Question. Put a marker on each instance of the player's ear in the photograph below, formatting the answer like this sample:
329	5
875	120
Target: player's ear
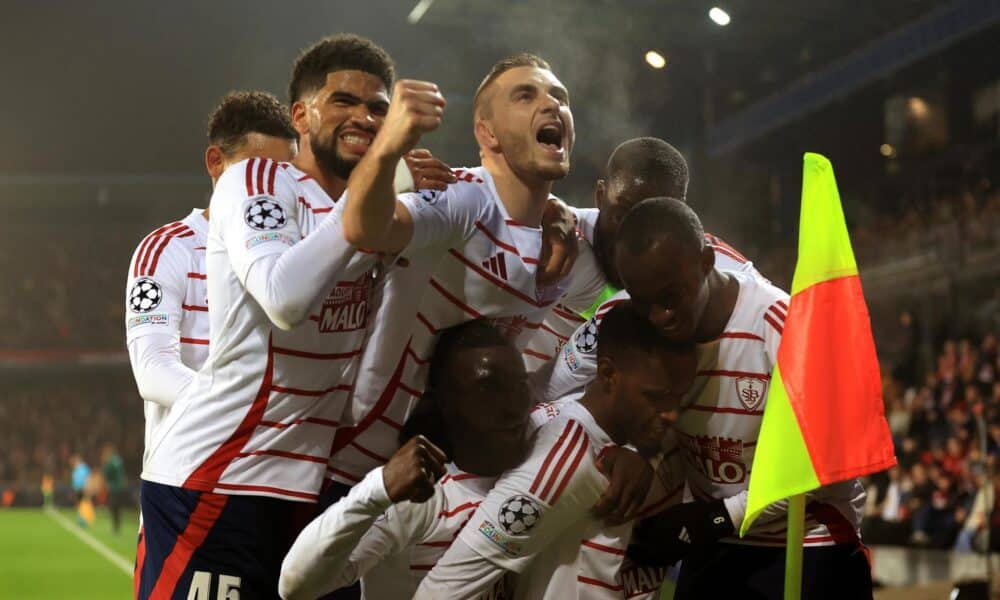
707	259
600	194
300	117
215	162
607	374
485	136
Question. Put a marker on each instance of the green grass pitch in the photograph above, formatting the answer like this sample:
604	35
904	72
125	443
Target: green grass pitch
39	559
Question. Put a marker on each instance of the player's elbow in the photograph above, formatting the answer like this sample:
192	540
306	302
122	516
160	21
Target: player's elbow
286	318
289	585
356	233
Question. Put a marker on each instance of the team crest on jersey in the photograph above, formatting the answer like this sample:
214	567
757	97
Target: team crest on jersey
586	338
750	391
346	308
518	514
144	296
264	214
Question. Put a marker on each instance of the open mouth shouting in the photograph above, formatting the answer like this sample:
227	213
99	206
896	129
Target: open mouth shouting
550	136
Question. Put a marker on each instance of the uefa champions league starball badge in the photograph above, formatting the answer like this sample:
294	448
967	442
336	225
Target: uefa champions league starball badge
518	514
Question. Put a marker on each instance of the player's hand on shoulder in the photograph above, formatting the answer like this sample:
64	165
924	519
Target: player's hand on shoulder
413	470
416	109
559	243
668	536
629	479
428	172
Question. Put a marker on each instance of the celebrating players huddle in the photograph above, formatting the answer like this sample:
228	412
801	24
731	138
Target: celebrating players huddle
362	365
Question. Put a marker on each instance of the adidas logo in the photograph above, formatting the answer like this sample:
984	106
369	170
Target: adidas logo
497	264
683	535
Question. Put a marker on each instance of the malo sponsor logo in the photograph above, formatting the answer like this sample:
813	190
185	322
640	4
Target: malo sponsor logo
721	459
642	580
346	308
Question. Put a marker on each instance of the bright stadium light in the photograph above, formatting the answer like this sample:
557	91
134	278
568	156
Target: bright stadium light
719	16
887	150
655	59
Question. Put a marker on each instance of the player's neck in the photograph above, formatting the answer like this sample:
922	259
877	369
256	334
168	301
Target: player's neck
525	201
600	407
723	290
470	458
305	161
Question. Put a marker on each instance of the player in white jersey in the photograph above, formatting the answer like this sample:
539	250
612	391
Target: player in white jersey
385	531
537	521
638	168
166	315
247	443
737	320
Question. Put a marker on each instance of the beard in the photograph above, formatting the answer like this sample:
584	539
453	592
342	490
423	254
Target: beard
327	156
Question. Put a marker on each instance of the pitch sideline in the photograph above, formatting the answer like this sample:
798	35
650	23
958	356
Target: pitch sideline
98	546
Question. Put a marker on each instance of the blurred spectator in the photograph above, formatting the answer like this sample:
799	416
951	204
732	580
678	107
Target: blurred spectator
113	469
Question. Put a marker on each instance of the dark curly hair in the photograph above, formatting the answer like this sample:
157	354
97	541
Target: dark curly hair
242	113
340	52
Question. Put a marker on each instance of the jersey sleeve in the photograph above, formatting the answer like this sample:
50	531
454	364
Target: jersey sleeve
157	284
773	318
350	538
443	218
255	211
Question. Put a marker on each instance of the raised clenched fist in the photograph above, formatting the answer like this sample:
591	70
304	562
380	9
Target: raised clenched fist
413	470
416	109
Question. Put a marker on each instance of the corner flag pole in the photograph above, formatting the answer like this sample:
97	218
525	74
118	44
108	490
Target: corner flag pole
793	547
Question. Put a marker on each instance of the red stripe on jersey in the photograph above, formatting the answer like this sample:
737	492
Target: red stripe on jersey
313	393
606	308
390	422
192	307
548	329
304	177
733	252
196	341
565	313
283	454
598	583
563	457
197	276
163	245
145	242
603	548
727	252
315	355
571	469
841	530
782	304
249	177
369	453
205	476
409	390
270	178
427	324
326	209
344	474
773	323
496	240
460	477
538	355
151	240
548	459
775	310
465	307
313	420
518	224
260	175
458	509
723	373
204	516
497	282
347	435
416	359
725	410
239	487
740	335
502	261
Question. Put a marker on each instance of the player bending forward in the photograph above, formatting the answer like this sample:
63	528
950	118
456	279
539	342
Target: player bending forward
536	522
394	525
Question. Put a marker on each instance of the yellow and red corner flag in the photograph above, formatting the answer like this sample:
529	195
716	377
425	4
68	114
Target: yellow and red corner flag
824	420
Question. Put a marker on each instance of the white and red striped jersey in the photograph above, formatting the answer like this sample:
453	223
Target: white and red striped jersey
261	415
166	309
467	259
720	419
590	288
536	523
389	547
